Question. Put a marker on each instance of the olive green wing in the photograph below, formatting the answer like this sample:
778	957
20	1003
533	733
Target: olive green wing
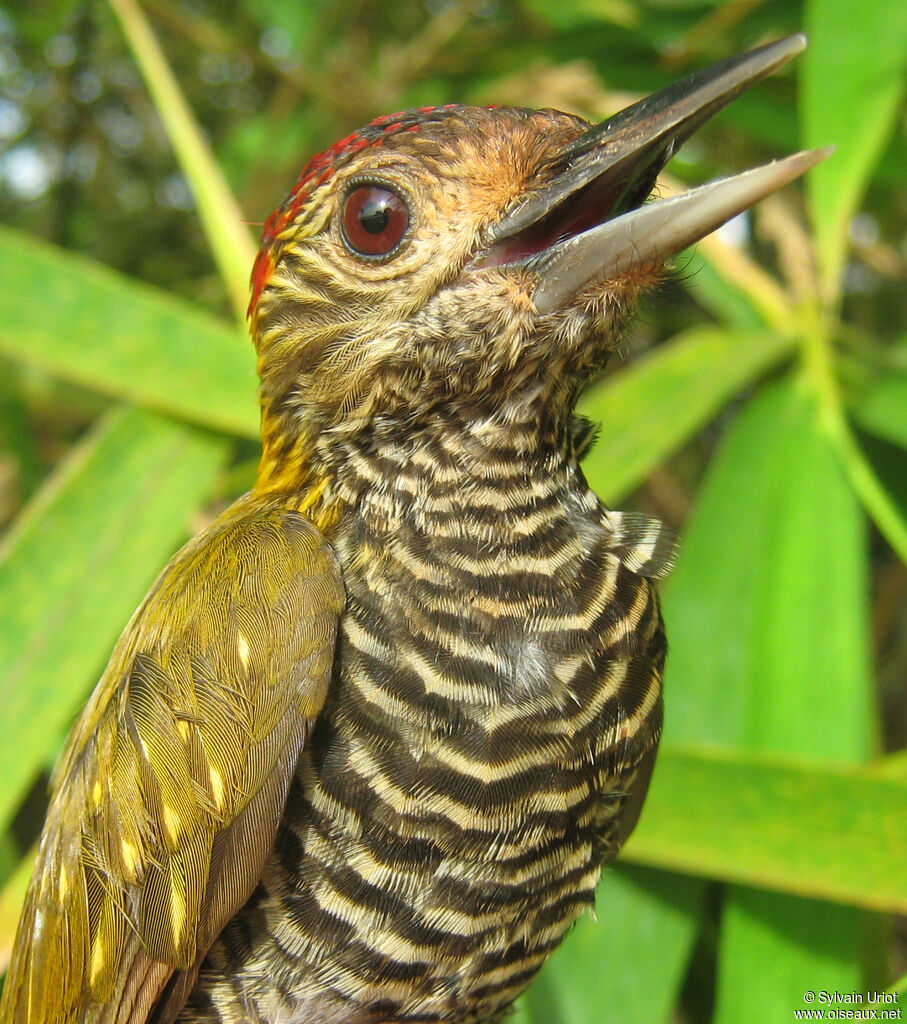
168	795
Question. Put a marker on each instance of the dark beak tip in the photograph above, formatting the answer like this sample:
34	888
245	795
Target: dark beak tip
615	165
701	93
637	141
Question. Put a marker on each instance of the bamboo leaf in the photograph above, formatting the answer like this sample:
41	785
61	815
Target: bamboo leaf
883	411
879	501
12	896
726	300
767	612
797	826
769	591
79	560
852	84
606	962
882	408
78	320
649	410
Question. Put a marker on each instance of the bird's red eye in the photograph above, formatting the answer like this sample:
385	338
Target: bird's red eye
374	220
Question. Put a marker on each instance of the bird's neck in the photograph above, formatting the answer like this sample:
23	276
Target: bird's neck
390	472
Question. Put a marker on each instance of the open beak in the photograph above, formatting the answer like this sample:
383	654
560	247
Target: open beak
589	223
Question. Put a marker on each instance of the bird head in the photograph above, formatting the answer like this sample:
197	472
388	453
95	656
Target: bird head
480	260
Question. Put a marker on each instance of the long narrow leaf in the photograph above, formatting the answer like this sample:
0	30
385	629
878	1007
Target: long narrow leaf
12	896
78	320
650	409
852	82
629	955
767	616
807	828
769	589
883	409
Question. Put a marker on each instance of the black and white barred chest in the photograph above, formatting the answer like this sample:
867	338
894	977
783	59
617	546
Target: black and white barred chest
495	691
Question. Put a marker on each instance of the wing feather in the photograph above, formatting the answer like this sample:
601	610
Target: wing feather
171	787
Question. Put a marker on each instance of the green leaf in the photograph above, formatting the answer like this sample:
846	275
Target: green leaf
797	826
78	561
649	410
16	438
773	949
892	765
12	896
883	411
607	960
766	608
882	408
78	320
767	614
851	87
727	303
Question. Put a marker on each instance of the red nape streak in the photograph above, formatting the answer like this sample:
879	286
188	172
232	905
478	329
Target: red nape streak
319	170
262	269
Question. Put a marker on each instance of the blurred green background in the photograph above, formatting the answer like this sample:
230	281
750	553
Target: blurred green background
759	406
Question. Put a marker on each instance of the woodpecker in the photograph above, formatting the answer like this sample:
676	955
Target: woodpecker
360	755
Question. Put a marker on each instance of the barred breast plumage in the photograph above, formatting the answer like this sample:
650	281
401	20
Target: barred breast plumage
497	688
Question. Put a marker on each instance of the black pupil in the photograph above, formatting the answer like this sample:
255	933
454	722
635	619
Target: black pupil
375	215
374	220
